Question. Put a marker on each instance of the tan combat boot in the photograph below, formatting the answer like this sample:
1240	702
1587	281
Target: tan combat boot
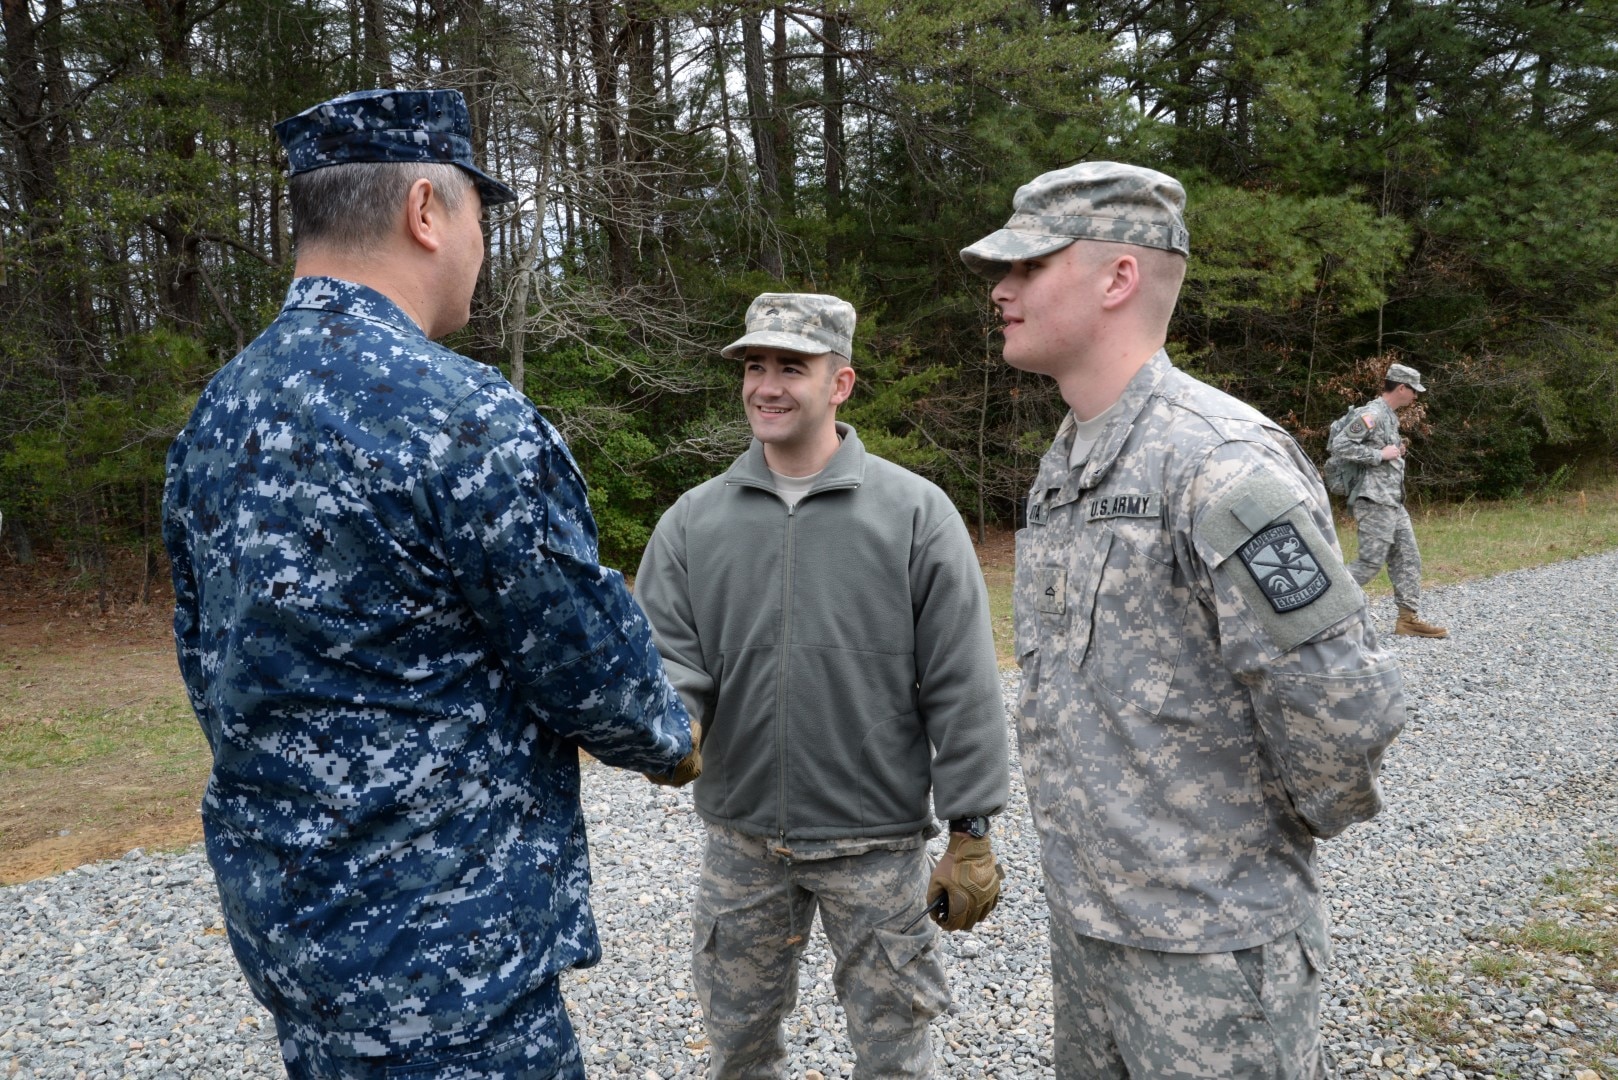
1411	625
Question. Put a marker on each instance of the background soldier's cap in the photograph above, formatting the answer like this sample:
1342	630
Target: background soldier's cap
1407	375
1094	200
388	125
809	323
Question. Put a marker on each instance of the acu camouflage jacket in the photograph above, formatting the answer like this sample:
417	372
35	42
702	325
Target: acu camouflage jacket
1203	694
396	635
1361	440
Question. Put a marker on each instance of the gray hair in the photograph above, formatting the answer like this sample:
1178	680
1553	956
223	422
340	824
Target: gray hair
355	204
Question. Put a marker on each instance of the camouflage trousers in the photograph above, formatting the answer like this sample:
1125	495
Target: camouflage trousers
1247	1015
751	920
533	1041
1386	536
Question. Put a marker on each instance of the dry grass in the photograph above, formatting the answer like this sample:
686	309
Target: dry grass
1458	543
1481	539
99	751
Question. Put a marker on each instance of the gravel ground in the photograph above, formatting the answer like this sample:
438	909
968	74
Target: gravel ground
1507	770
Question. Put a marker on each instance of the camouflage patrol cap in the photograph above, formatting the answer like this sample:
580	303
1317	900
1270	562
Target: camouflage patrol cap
1093	200
388	125
809	323
1407	375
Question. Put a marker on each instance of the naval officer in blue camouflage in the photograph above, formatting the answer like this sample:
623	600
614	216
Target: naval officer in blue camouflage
1203	695
396	633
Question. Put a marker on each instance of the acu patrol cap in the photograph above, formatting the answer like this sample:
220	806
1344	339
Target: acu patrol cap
808	323
1093	200
1407	375
388	126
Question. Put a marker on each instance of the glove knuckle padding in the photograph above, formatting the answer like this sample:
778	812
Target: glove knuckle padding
970	877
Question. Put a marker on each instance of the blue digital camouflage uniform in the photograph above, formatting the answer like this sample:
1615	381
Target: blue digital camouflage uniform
395	632
1377	501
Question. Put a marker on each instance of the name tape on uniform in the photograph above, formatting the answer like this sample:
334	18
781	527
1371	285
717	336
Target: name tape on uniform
1124	505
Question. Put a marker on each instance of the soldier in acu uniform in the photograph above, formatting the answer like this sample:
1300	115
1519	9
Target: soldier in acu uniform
1371	440
396	634
1203	696
823	615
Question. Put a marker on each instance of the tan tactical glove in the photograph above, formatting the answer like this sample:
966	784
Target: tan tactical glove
690	766
969	878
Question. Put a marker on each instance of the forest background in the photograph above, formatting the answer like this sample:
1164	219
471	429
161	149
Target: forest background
1427	181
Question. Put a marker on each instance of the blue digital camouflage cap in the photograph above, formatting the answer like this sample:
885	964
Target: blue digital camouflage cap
1093	200
388	125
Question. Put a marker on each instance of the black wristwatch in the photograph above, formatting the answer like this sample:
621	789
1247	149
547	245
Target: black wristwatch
973	826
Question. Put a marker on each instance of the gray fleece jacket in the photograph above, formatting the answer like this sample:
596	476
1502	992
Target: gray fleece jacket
838	655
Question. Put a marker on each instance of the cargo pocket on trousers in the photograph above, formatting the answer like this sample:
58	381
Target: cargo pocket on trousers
1314	937
703	928
916	989
704	932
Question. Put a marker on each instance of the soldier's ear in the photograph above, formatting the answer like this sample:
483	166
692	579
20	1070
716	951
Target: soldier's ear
842	384
1123	281
424	216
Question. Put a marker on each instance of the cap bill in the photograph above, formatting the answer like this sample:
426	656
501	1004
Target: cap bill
991	257
773	339
492	191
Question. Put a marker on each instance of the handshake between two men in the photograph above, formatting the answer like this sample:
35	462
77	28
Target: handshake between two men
818	611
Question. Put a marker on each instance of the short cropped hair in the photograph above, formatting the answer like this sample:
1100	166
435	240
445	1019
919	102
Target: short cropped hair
356	204
1390	385
1162	273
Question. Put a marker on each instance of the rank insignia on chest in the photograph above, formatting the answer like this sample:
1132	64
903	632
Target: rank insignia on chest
1286	570
1050	589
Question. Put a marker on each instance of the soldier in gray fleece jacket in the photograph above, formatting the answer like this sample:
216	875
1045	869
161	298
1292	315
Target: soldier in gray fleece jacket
822	614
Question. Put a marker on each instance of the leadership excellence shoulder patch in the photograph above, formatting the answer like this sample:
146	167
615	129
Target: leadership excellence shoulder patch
1287	572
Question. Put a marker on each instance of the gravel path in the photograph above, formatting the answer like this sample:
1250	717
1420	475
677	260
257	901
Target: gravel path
1507	770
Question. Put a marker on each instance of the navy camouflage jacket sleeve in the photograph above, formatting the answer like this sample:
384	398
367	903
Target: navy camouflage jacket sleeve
1294	629
512	513
187	611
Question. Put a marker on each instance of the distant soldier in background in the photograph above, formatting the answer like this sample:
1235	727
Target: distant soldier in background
396	634
1203	695
1370	439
